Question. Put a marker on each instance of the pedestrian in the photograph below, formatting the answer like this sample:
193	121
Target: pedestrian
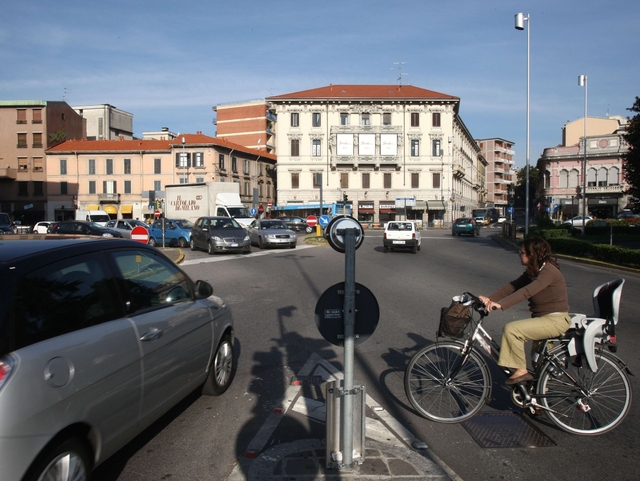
543	285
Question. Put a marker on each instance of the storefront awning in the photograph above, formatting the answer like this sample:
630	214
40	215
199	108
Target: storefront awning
365	207
436	205
126	209
110	209
93	207
387	206
420	205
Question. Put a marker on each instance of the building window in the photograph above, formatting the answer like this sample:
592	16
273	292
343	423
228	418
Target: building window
435	119
295	119
614	175
37	116
436	148
37	140
157	166
63	166
23	188
198	159
200	180
91	166
38	188
436	180
317	179
573	178
387	180
109	167
23	163
415	119
602	177
183	160
316	147
234	164
63	188
22	141
22	116
366	181
92	186
344	180
295	148
37	164
100	128
591	178
415	180
386	118
221	161
260	168
127	166
157	185
127	186
109	187
344	118
365	119
295	180
247	190
316	119
246	167
415	148
564	179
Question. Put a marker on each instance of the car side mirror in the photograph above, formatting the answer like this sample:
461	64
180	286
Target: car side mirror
203	290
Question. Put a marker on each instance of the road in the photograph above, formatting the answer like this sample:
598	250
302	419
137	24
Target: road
273	295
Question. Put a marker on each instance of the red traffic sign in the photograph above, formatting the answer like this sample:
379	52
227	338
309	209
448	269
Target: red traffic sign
269	204
140	234
260	208
312	221
157	214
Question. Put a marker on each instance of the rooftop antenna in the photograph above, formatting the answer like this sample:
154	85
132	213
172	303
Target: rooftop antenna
608	105
64	95
399	68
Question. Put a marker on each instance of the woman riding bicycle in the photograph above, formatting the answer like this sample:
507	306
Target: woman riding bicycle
543	285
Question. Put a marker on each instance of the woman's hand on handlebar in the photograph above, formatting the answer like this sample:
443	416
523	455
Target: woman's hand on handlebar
489	304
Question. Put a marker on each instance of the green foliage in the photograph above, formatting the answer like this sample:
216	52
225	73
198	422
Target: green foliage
520	189
631	159
602	252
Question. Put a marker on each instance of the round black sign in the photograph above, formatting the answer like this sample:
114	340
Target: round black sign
330	319
335	235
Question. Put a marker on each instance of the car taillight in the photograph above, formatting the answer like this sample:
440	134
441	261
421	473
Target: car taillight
384	235
413	236
6	366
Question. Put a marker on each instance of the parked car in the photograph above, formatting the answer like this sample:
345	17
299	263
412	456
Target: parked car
219	234
465	225
98	339
177	232
627	214
271	233
41	227
82	227
577	220
6	225
125	226
401	234
296	224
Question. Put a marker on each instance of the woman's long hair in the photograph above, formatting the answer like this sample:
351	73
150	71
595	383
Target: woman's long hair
538	251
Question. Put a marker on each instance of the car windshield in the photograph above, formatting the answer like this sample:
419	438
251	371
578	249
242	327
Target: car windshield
463	221
4	219
183	224
272	224
240	212
99	218
225	223
93	225
134	223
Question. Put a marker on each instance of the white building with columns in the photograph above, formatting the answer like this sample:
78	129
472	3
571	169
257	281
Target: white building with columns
396	152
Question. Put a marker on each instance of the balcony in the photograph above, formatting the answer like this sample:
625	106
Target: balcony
111	198
8	173
458	170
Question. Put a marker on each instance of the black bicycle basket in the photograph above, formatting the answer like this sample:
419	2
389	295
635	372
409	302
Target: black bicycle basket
454	320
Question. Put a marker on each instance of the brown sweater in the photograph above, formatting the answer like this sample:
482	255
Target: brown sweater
546	293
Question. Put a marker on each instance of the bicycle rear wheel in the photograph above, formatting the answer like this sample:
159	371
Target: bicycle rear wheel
433	392
595	404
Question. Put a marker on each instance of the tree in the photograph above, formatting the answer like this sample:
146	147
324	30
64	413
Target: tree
520	189
631	159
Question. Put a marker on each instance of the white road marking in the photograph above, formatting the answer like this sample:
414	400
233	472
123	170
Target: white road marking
228	257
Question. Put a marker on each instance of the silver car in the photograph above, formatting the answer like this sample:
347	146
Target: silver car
125	226
98	339
271	233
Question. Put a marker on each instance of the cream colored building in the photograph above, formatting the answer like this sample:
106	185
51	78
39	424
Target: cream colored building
396	152
117	175
106	122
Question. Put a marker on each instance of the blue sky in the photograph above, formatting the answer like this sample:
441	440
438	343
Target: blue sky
168	63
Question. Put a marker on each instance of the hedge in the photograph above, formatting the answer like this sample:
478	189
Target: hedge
602	252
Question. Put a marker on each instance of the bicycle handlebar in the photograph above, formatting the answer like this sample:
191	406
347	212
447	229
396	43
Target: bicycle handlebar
477	304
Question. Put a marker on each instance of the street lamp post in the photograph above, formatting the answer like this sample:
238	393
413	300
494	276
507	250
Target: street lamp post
583	82
520	19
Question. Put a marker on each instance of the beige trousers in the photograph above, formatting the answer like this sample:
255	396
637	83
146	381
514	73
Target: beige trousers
516	333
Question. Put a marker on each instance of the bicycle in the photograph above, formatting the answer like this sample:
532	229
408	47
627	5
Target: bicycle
583	388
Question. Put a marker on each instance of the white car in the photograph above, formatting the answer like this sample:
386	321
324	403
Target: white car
577	221
401	235
41	227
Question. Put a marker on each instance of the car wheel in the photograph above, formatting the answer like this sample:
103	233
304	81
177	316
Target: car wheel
220	370
192	245
414	250
473	233
260	244
210	249
247	251
71	459
386	249
152	242
418	247
182	242
293	246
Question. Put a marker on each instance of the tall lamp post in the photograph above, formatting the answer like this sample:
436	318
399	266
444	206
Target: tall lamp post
520	19
583	82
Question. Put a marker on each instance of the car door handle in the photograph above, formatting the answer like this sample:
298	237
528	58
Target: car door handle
152	335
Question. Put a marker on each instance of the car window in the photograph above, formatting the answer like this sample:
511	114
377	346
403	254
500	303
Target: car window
272	224
111	223
62	297
184	224
150	280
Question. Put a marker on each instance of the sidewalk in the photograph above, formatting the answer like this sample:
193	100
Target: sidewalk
176	254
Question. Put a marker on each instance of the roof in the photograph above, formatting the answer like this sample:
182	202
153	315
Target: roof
137	145
399	92
11	250
22	103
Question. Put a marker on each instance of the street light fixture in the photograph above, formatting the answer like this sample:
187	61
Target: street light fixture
583	82
520	19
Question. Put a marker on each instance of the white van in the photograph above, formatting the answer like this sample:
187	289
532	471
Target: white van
98	216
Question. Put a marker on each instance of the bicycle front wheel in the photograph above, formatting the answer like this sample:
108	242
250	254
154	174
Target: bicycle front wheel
440	395
594	404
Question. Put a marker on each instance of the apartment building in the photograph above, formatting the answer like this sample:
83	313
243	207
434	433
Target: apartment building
500	176
250	123
27	129
117	175
560	186
106	122
396	152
